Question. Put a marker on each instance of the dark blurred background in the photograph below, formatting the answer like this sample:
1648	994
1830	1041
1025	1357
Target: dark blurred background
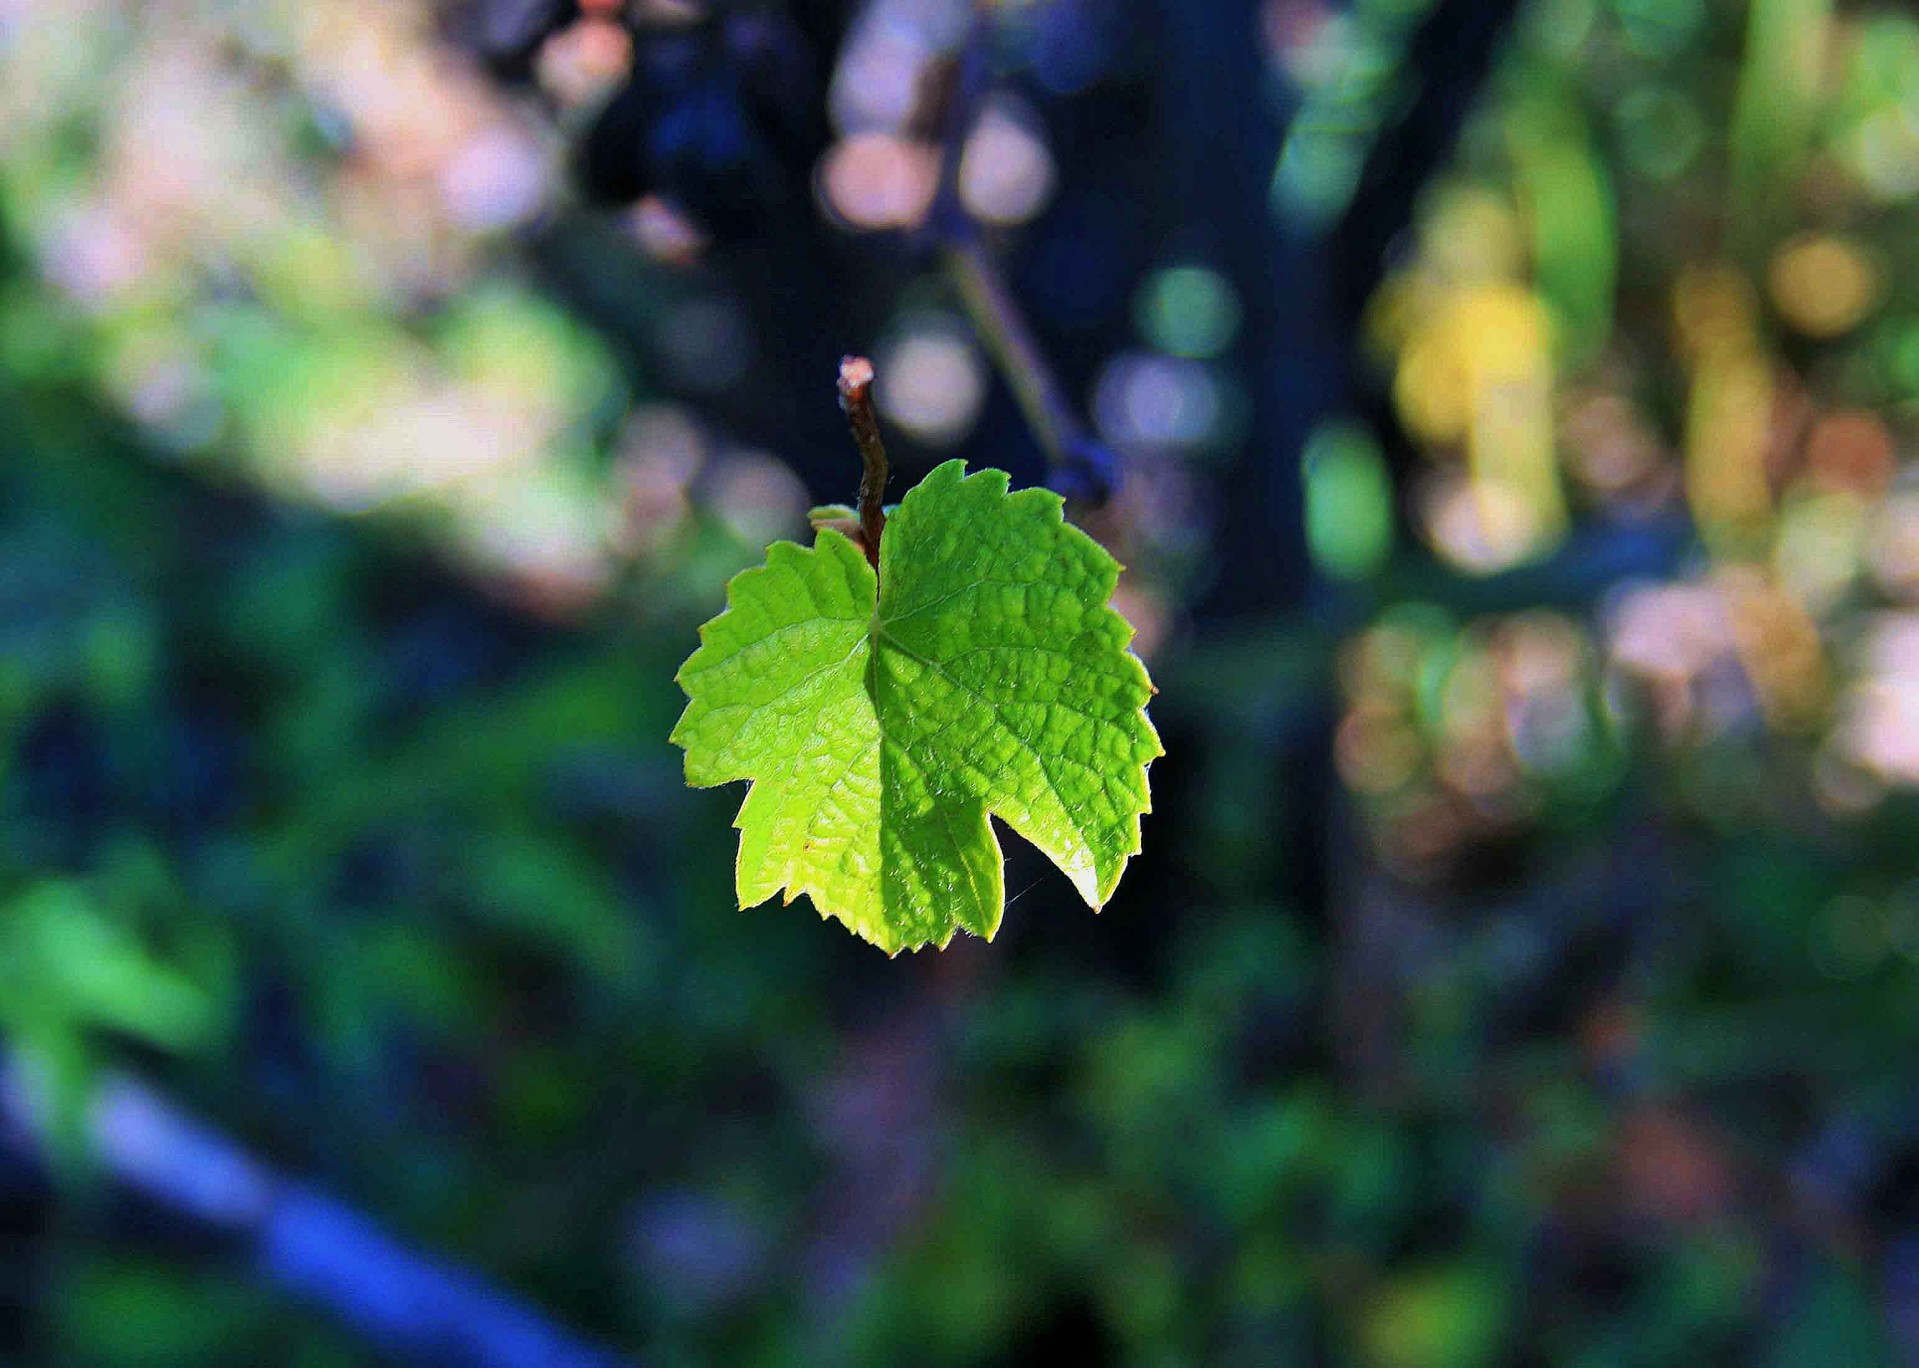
1509	414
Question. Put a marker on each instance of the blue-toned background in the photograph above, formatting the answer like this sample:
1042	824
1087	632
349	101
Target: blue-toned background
1512	413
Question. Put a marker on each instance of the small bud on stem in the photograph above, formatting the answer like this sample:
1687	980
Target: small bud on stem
856	401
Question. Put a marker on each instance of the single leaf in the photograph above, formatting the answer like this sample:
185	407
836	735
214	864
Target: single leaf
881	721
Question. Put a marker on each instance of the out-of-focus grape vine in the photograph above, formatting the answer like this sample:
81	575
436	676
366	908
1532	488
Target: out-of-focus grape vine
1668	276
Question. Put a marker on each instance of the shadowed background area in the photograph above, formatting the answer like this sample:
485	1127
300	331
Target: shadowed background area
1508	411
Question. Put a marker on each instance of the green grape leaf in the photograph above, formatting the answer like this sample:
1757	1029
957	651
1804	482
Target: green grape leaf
881	720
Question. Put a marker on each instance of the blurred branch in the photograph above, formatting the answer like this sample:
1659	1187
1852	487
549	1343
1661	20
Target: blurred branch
1449	58
1221	141
1304	283
1080	467
306	1242
1002	327
972	78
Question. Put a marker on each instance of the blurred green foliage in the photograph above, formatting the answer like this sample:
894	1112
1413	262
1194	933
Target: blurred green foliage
1523	962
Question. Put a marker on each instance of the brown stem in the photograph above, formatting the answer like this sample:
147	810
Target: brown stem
856	401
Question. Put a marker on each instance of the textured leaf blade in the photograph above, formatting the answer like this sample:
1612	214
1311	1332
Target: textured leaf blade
882	720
